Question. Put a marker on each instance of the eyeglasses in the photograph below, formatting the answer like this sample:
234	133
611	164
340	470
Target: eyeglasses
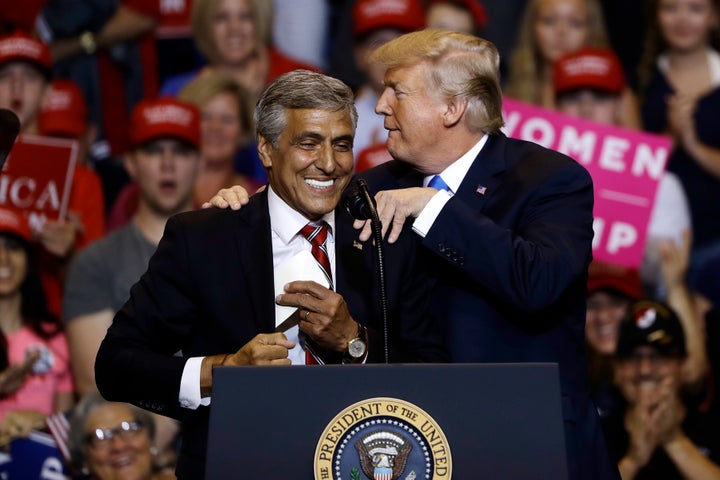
100	437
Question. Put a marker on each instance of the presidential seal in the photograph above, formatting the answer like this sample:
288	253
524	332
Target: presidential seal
382	439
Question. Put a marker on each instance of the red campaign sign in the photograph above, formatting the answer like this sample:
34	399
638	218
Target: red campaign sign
37	178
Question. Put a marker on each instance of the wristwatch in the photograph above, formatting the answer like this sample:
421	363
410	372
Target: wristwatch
87	43
357	347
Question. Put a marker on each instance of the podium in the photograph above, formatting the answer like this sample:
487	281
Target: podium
419	421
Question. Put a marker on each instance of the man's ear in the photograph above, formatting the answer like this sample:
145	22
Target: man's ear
455	109
265	150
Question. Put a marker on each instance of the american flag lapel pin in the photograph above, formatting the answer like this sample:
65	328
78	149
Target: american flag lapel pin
481	189
357	244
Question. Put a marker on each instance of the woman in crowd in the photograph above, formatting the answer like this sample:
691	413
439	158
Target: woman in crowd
680	81
35	376
226	126
111	440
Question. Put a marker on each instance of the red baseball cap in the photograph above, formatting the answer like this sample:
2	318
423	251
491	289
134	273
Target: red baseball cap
406	15
606	276
22	47
63	112
473	6
165	117
597	68
13	221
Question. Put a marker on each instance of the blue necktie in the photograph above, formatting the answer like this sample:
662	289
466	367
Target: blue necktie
438	183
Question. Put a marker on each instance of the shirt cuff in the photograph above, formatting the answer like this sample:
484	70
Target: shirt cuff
425	220
190	385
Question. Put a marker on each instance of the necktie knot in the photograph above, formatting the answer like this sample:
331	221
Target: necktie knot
438	183
316	234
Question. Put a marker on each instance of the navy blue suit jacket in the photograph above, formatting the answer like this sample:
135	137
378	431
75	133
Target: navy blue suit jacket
209	289
508	255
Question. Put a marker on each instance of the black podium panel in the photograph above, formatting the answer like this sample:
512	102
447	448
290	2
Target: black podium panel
500	421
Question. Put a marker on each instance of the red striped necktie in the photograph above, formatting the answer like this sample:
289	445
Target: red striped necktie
317	234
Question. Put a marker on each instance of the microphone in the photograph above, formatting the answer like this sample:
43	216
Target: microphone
360	204
9	130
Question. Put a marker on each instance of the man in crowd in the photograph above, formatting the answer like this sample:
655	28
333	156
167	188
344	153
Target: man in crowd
658	435
305	125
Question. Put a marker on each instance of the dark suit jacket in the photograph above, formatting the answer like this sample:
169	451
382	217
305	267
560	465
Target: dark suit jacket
209	289
509	256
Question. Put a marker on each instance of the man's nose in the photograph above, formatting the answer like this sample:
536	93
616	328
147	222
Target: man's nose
382	107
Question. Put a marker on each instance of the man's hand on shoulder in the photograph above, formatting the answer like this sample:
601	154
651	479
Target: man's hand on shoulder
234	198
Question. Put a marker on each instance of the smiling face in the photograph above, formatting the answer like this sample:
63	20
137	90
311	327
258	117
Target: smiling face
561	27
313	161
605	311
413	116
126	456
646	374
686	24
234	31
13	265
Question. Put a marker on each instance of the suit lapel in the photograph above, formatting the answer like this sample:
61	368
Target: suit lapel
482	179
254	245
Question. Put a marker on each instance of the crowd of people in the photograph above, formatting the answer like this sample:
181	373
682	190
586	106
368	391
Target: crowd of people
158	137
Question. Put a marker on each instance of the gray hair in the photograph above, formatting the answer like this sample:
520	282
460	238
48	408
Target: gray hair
300	89
88	404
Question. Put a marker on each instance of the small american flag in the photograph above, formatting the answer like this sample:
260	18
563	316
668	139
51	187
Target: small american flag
481	189
59	428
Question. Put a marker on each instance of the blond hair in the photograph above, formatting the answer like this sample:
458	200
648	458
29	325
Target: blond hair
461	66
526	63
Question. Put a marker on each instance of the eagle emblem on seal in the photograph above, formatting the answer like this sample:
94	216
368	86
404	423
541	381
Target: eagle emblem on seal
383	455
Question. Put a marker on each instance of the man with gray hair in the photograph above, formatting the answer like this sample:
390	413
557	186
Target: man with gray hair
211	289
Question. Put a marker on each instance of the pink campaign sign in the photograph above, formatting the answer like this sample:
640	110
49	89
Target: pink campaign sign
625	166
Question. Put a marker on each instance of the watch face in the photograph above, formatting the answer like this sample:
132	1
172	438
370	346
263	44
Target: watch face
356	348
